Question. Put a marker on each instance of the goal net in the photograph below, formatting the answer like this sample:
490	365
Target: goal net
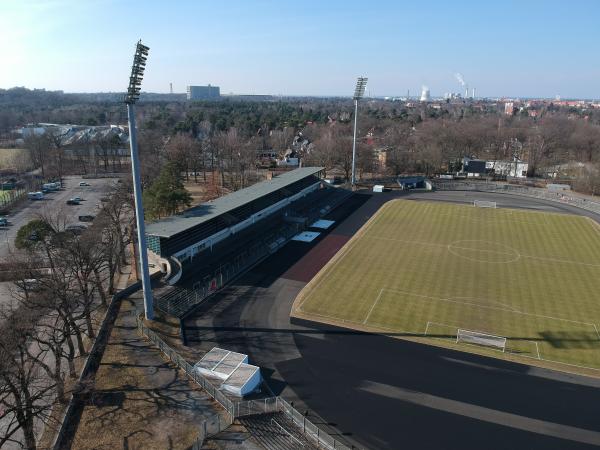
484	204
478	338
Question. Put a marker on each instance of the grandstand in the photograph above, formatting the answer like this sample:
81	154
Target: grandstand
206	246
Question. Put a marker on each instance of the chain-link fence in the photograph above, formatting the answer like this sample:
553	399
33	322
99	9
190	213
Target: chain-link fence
238	408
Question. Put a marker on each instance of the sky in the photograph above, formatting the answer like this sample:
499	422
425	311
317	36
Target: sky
523	48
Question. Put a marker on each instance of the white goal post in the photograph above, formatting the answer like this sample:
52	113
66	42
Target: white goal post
479	338
484	204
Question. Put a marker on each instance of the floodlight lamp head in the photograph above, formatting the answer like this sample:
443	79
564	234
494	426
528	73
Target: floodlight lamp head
361	84
137	73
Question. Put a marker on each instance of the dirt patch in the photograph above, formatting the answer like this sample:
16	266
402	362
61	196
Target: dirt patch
139	399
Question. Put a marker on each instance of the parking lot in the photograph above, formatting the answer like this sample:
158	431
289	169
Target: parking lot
53	203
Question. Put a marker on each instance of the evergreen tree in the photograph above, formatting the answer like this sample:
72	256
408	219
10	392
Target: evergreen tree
167	195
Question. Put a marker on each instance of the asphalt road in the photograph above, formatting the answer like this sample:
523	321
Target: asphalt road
54	202
379	392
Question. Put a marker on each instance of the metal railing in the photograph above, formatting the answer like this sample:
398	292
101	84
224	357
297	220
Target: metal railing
564	197
287	434
209	427
241	408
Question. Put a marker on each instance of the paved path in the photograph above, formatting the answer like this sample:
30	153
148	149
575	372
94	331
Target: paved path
384	393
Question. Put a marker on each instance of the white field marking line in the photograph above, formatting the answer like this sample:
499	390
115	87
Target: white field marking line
432	244
354	240
553	361
373	305
491	301
352	243
491	221
521	255
505	350
395	331
516	311
450	246
438	323
567	261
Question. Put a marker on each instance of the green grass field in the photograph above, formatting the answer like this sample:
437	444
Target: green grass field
423	270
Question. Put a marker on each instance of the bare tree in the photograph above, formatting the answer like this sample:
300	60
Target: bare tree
39	149
25	390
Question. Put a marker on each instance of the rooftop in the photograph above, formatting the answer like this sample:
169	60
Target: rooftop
197	215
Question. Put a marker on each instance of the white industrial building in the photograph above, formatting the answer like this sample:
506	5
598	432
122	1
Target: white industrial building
516	169
231	369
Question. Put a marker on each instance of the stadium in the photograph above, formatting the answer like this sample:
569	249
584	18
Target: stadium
471	308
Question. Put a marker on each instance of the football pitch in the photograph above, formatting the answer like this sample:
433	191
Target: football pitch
425	270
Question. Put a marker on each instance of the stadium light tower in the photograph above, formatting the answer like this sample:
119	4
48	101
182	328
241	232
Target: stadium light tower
361	84
132	96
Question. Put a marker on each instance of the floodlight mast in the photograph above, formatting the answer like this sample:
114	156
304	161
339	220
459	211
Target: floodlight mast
361	84
132	95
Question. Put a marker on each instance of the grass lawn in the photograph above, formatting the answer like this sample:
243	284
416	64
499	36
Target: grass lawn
423	270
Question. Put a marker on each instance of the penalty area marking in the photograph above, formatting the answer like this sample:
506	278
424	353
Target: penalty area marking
450	300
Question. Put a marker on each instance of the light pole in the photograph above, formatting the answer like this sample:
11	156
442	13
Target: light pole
133	94
361	83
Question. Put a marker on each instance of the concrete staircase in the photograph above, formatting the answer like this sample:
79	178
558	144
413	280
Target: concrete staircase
275	432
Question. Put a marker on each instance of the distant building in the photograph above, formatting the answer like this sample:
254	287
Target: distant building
473	167
203	92
517	169
509	108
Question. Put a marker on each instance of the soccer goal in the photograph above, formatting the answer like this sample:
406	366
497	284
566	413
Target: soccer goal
478	338
484	204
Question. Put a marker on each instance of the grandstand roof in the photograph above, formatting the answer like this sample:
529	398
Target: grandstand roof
173	225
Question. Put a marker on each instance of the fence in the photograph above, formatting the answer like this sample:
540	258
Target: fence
209	427
544	194
239	408
65	432
9	198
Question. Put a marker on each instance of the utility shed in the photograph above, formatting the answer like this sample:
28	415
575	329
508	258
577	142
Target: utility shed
244	379
236	375
220	363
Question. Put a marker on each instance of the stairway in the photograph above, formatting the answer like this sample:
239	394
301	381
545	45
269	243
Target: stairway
276	432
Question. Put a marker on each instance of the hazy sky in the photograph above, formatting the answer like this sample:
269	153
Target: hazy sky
503	48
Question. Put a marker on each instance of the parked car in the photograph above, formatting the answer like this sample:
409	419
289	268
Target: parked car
77	199
39	195
76	229
84	183
31	284
86	218
3	222
72	201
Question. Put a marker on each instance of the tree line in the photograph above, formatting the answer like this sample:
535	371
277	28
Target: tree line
61	278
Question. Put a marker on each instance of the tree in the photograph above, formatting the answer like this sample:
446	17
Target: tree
39	148
25	390
167	195
32	233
